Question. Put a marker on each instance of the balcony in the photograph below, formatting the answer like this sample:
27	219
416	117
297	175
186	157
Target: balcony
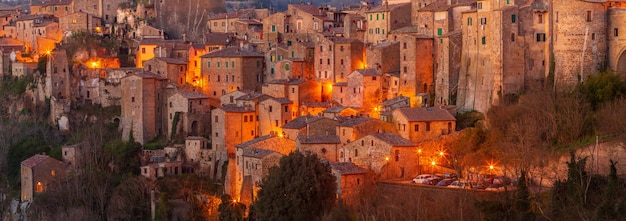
540	7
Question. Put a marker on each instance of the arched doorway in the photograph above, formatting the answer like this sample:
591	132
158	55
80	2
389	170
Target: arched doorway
194	128
620	68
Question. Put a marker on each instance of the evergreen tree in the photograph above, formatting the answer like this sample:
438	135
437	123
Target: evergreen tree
230	210
521	205
301	188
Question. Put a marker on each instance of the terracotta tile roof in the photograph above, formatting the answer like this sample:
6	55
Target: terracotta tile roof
310	9
193	95
395	100
383	44
369	72
235	108
250	21
277	144
393	139
342	40
256	152
391	7
300	122
52	2
214	38
407	29
319	139
319	104
241	13
426	114
353	121
282	100
147	74
291	81
347	168
172	60
34	160
442	5
197	46
334	109
233	52
341	84
252	95
5	7
32	17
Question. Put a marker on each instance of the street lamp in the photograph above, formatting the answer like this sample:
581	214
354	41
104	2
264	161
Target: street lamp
432	167
387	167
419	157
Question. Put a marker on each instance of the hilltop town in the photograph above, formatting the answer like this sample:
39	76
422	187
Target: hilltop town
373	90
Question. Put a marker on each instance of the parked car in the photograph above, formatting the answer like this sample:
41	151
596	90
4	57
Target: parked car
450	176
459	184
433	180
421	178
495	187
445	182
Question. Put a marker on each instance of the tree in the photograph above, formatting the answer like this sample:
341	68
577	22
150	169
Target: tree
521	205
231	210
301	188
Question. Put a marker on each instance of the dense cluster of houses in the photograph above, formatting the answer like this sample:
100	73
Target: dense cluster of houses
360	86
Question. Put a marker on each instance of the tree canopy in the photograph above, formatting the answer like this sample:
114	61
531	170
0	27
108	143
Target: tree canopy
301	188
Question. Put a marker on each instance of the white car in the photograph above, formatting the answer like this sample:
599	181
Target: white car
421	178
459	185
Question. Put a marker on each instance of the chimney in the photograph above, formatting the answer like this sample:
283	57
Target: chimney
386	4
184	37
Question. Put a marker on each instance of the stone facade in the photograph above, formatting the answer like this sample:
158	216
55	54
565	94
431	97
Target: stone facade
173	69
58	75
385	18
420	124
38	173
74	22
142	113
350	179
324	146
384	57
194	112
231	69
384	153
274	113
200	155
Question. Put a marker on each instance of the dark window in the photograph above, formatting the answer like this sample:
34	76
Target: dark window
416	127
427	126
588	17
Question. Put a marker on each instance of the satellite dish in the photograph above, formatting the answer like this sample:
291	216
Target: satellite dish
13	56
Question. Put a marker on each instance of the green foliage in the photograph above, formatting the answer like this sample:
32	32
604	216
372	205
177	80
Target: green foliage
301	188
468	119
601	88
125	155
521	204
22	150
16	85
164	209
230	210
41	64
175	124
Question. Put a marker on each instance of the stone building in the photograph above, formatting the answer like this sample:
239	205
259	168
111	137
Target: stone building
199	157
350	179
420	124
353	128
218	41
326	147
302	55
384	56
254	158
74	22
490	62
365	90
231	69
335	58
386	154
142	113
252	165
232	22
385	18
173	69
58	81
38	173
274	113
73	155
189	114
277	67
194	66
58	8
231	124
154	47
295	89
6	17
161	163
309	126
389	106
31	29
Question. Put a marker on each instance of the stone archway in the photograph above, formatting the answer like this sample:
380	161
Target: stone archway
620	68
